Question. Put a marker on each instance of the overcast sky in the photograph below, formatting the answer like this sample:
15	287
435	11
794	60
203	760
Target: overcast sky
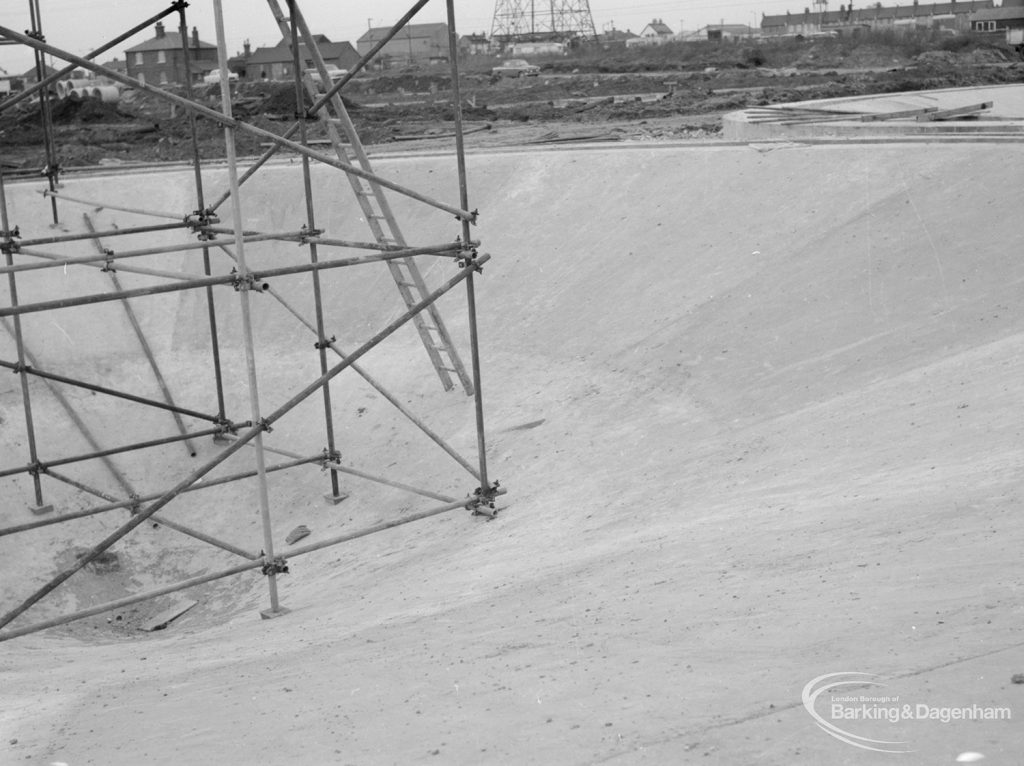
80	26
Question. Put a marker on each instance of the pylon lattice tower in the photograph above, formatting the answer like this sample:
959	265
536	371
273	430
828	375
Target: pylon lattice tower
529	20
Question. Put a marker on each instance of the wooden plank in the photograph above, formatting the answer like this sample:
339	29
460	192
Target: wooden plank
960	111
167	616
898	115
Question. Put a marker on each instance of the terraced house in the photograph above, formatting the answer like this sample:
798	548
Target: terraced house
161	59
954	16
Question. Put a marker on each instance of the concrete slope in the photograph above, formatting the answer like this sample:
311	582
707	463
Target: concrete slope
756	412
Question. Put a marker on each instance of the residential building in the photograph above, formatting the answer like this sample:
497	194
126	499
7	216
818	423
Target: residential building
954	16
475	44
1006	20
277	62
655	33
415	43
161	60
5	82
614	38
729	32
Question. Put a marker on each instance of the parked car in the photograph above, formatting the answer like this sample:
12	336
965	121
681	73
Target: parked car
516	68
333	71
214	77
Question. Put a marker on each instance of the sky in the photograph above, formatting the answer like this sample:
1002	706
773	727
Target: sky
79	26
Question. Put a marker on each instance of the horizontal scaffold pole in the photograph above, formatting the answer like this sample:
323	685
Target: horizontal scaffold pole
231	122
239	569
109	391
129	600
451	250
113	506
144	514
177	276
175	525
42	466
110	233
107	206
113	255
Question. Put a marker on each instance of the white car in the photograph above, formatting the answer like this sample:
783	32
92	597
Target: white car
334	72
214	77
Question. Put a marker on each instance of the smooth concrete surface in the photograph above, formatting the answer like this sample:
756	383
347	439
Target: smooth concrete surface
757	412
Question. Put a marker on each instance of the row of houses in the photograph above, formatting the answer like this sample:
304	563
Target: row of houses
161	60
954	16
977	16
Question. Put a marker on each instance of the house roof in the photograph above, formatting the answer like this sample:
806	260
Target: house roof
169	41
659	27
885	12
997	14
281	54
376	34
31	73
734	29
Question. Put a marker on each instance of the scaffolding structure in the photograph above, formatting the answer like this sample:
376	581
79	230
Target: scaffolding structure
224	264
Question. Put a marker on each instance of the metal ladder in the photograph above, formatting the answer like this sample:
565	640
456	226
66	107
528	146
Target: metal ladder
381	220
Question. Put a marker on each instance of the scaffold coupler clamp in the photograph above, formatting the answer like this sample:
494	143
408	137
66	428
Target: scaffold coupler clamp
199	221
108	262
466	258
225	427
7	243
325	343
249	281
307	234
481	502
275	566
329	457
37	468
135	504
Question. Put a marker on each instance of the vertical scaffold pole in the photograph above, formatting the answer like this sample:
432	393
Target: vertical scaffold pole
45	111
7	237
460	151
201	210
322	341
243	295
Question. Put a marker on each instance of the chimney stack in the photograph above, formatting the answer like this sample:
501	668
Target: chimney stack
195	37
159	29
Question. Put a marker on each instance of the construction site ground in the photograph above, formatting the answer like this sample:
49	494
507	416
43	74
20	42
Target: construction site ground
562	104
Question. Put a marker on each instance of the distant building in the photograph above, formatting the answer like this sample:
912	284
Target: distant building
655	33
277	63
475	44
161	61
1006	20
727	32
5	82
954	16
415	43
537	48
117	65
614	38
